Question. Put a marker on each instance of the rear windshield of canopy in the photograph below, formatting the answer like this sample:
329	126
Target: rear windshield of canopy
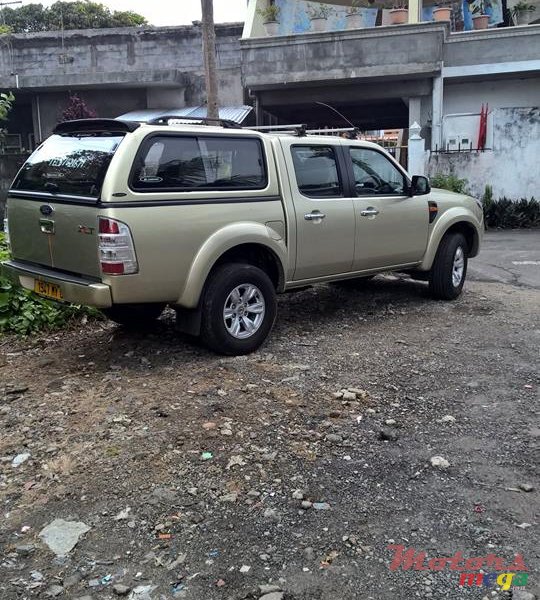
73	165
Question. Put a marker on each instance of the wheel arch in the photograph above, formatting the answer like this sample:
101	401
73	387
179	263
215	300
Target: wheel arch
248	243
461	223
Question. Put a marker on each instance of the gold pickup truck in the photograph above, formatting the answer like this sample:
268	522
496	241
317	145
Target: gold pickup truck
214	221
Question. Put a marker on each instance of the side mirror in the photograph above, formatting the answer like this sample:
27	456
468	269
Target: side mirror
420	186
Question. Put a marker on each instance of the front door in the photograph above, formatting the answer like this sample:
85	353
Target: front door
325	223
391	226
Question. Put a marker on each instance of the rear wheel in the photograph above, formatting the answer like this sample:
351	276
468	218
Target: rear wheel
449	270
238	309
134	315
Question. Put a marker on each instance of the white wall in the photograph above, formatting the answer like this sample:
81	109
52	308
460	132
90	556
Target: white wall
511	167
510	93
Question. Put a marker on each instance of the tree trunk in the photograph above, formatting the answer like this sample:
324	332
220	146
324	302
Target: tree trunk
209	56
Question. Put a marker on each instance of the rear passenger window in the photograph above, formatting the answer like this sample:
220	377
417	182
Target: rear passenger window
181	163
316	171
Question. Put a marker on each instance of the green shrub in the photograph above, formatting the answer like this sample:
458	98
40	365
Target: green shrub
449	182
23	312
507	214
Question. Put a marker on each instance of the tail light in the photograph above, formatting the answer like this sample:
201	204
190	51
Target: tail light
116	251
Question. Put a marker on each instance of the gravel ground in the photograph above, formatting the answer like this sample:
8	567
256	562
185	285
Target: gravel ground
295	468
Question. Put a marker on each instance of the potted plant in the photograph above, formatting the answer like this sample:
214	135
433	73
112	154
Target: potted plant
353	16
399	14
270	16
479	17
522	12
318	15
442	12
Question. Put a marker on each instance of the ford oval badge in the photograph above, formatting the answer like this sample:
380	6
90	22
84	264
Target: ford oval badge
46	210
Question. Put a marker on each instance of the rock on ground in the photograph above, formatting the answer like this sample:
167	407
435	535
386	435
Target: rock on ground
62	536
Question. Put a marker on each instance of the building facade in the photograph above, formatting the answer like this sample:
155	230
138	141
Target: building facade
324	72
380	75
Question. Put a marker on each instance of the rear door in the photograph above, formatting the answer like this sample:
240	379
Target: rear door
391	225
324	210
51	208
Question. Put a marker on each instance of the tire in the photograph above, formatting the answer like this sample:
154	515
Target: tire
134	316
449	270
225	323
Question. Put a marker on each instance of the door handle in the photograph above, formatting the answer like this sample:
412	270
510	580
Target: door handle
314	216
370	212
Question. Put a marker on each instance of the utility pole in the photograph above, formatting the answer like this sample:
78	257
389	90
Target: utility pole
209	57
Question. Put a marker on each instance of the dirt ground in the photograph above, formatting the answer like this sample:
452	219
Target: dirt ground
204	478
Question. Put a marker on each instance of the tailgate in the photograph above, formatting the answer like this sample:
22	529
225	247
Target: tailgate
60	236
53	203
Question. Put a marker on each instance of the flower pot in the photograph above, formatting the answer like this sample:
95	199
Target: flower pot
271	27
318	24
442	13
523	17
480	22
399	16
354	21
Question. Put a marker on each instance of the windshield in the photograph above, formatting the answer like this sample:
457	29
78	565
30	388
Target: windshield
73	165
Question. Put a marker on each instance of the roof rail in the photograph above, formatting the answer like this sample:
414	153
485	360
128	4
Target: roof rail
298	129
301	130
164	120
333	131
95	125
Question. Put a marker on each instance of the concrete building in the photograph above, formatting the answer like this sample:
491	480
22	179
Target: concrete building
114	71
390	76
378	75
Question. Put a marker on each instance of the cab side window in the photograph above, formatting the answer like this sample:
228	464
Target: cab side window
316	170
375	174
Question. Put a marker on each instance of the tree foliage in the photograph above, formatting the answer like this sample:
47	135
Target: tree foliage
77	109
82	14
6	104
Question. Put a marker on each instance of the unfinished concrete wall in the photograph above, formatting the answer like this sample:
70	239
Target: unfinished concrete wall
127	56
511	168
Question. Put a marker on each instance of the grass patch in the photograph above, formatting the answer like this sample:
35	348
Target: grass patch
23	312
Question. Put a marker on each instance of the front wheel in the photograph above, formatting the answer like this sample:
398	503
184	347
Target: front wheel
134	316
449	270
238	309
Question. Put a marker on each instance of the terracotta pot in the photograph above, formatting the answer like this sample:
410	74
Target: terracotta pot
523	17
355	21
480	21
318	24
442	13
271	28
399	16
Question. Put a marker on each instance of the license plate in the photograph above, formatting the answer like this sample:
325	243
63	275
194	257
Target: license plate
49	290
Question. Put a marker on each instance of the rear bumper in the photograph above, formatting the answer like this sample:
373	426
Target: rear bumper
75	290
